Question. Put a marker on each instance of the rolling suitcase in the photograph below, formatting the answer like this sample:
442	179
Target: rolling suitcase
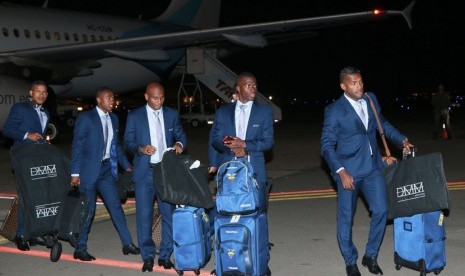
419	242
192	239
241	245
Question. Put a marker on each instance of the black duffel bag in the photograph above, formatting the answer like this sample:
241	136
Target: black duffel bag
179	182
416	185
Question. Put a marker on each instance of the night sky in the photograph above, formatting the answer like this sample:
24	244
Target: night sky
394	59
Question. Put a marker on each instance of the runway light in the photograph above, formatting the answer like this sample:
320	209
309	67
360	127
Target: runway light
270	97
378	12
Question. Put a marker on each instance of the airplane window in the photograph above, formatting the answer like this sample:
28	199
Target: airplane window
27	33
75	37
5	31
57	36
93	38
16	32
47	35
102	38
37	34
84	38
109	38
66	36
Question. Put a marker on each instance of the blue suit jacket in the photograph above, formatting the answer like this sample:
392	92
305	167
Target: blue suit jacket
259	137
138	134
346	143
87	150
21	119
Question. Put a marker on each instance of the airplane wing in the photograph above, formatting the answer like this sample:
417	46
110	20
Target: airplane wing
155	47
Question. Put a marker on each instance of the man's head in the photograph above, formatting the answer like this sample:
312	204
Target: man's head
246	87
38	92
350	80
155	95
105	99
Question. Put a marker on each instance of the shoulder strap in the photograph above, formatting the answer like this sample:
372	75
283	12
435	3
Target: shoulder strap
380	127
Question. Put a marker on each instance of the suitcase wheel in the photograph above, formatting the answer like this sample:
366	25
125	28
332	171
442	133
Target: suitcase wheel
197	272
398	266
55	253
180	272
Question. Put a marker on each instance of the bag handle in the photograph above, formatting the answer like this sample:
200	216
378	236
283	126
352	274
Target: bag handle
388	158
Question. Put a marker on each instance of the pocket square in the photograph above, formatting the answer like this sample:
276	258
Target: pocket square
170	130
256	125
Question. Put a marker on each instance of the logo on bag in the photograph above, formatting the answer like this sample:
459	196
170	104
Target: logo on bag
410	192
231	253
47	210
231	176
43	172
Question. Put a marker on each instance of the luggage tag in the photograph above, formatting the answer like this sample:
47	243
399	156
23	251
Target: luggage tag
235	219
441	218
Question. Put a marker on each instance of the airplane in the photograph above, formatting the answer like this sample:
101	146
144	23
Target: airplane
76	52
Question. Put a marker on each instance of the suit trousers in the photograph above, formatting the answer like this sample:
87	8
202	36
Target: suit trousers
106	186
373	188
145	198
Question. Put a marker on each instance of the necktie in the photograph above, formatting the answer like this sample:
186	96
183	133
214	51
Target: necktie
242	128
161	145
361	113
43	120
105	134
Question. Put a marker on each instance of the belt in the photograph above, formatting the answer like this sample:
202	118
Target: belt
104	161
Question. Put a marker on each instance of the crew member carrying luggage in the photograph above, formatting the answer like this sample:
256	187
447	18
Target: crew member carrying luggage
244	128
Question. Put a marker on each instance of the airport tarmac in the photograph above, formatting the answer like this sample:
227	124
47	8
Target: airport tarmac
302	212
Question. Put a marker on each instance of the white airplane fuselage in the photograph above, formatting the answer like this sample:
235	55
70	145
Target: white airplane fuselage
24	27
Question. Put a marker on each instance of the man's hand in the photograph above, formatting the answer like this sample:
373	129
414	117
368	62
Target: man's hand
75	181
212	169
129	169
347	180
235	143
238	152
34	136
147	150
406	145
177	148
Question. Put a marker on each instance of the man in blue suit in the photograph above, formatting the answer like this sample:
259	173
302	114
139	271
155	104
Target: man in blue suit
27	123
150	130
250	126
95	155
349	146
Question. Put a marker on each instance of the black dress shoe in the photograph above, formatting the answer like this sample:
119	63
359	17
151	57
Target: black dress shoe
352	270
21	244
83	256
372	265
148	265
167	264
131	249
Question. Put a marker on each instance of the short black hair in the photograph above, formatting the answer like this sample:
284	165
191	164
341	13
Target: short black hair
348	70
102	89
38	82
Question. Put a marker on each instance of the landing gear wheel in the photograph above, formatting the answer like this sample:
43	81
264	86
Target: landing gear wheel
55	253
398	267
197	272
